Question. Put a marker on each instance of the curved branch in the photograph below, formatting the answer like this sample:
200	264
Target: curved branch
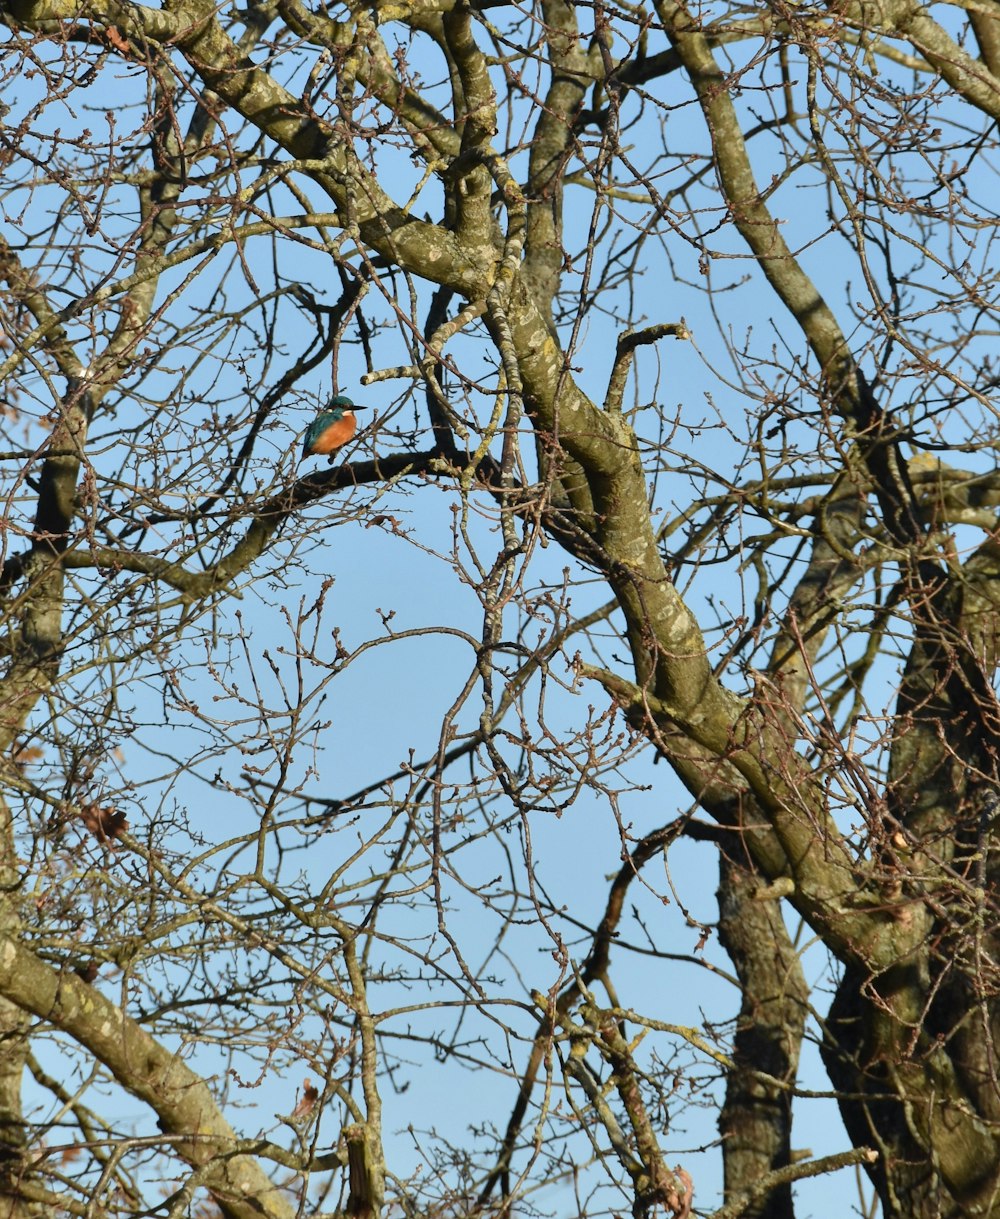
180	1098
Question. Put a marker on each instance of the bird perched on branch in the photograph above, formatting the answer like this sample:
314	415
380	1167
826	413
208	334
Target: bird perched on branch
332	428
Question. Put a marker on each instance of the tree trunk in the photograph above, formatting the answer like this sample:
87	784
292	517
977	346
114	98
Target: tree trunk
756	1118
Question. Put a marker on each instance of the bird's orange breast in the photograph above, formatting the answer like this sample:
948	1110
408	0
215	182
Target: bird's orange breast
336	434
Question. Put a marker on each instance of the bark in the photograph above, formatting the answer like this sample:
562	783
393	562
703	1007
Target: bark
14	1048
181	1099
756	1118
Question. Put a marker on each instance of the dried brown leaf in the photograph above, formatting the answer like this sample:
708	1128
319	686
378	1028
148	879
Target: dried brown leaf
105	824
307	1101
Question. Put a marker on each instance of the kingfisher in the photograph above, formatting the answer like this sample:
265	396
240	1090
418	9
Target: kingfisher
332	428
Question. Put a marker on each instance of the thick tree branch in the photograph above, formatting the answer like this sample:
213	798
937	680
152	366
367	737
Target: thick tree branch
149	1071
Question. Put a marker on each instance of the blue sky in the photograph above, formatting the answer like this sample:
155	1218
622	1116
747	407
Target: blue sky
399	553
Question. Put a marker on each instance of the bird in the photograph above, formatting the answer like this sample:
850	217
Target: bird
332	428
